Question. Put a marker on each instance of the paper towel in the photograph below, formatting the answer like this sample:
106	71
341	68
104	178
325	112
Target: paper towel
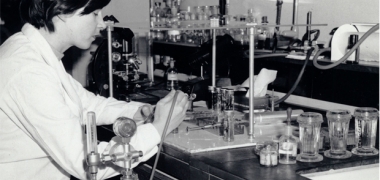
261	82
369	49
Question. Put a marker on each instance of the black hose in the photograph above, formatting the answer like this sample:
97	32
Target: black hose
309	52
270	55
163	135
298	78
364	37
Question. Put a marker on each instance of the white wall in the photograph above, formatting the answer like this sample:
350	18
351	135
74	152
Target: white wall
334	13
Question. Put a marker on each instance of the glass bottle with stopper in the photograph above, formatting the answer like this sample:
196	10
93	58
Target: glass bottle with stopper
288	143
172	77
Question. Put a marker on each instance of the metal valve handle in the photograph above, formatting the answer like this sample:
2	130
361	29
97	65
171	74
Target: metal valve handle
124	127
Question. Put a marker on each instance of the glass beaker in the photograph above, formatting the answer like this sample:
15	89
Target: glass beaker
365	131
338	122
310	128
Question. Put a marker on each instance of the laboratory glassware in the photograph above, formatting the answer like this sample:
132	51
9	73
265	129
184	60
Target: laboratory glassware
309	127
365	131
288	143
269	154
229	126
338	122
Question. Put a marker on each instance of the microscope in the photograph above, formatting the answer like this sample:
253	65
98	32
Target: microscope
125	65
121	154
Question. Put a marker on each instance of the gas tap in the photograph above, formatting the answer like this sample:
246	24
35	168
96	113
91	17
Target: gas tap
124	128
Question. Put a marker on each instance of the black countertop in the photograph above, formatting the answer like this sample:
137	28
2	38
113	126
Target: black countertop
243	163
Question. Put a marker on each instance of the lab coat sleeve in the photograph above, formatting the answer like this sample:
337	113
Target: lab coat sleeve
107	109
43	109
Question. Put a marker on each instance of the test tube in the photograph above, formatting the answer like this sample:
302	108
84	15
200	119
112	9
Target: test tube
92	139
229	126
211	98
230	100
218	100
224	98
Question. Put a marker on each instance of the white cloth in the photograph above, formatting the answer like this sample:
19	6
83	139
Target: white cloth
40	114
260	83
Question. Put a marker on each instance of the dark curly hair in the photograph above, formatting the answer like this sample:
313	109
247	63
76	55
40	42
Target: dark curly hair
40	13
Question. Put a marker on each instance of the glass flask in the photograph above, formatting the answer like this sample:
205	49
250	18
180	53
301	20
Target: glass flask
287	147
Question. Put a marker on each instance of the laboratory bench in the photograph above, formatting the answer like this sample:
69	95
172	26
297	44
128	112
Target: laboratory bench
340	84
240	162
177	162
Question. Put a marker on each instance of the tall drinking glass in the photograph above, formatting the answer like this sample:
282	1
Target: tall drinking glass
310	128
338	121
365	131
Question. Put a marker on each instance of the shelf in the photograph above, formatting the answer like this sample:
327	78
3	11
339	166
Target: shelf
177	43
231	26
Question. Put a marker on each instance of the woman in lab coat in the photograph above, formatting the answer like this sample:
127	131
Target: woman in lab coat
42	108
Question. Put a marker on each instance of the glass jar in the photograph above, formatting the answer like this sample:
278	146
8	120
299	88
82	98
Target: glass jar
197	9
269	155
310	128
214	10
206	10
338	123
159	35
365	131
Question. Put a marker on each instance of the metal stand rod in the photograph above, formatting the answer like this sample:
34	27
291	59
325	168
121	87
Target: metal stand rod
109	37
149	57
251	83
308	28
213	57
202	71
295	17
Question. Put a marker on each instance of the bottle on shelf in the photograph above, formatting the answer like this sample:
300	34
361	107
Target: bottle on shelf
261	40
172	76
239	36
250	16
227	7
264	36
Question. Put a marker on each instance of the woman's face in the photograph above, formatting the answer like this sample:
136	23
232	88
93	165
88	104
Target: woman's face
83	29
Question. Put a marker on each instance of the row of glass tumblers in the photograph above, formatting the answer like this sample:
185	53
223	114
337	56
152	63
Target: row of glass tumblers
338	124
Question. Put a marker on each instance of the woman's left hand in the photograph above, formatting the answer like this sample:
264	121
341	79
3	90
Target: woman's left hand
143	112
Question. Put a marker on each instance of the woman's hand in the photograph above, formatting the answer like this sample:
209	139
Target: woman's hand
162	111
142	114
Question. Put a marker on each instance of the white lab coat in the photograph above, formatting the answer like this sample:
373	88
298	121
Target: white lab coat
40	114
